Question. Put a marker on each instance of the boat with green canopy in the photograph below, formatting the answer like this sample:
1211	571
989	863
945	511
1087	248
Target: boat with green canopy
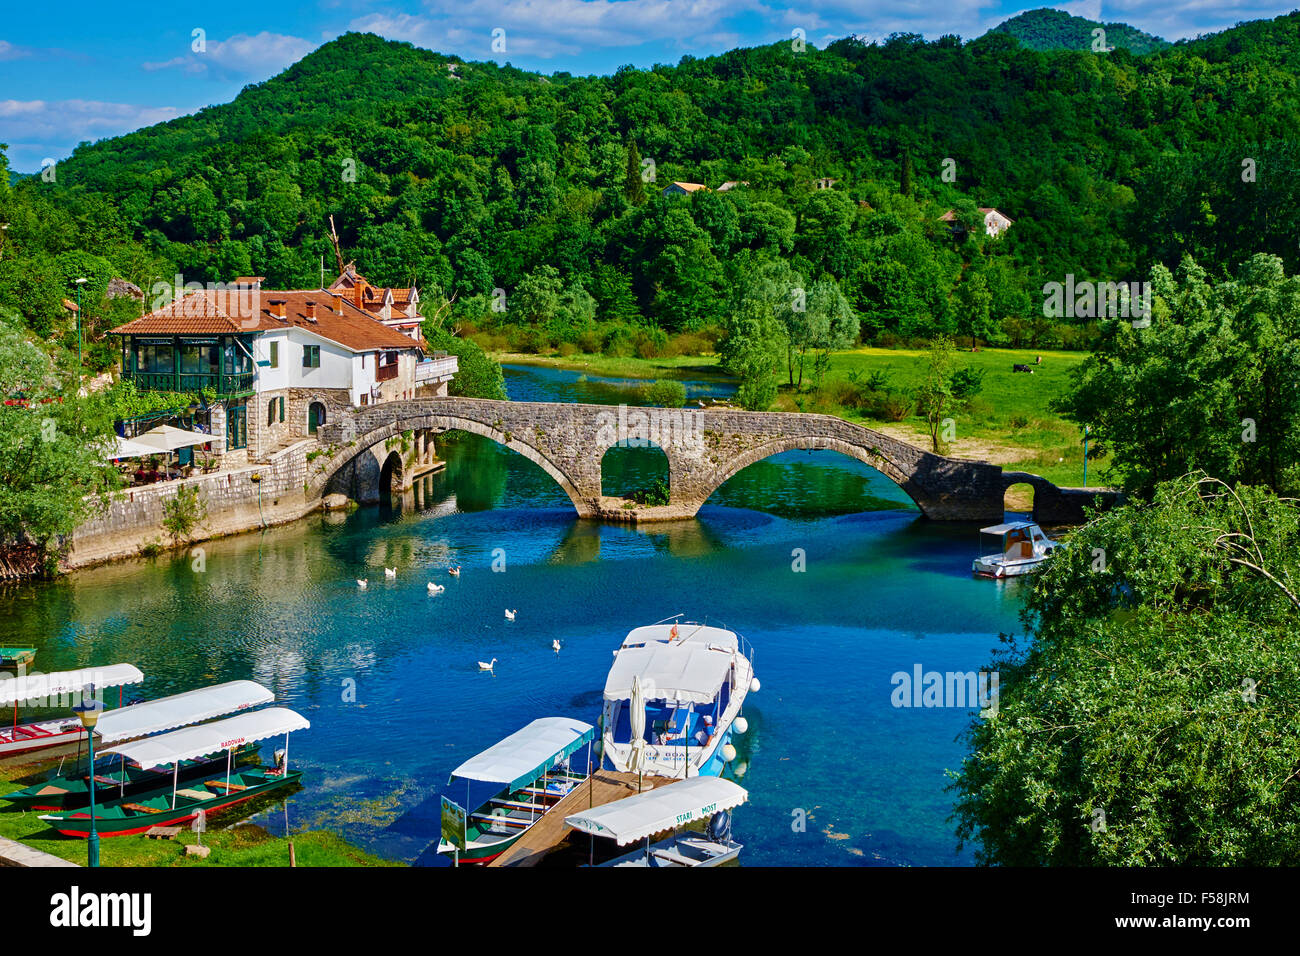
113	774
174	805
669	808
55	690
511	786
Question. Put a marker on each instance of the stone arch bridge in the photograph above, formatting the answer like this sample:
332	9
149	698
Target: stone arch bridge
704	448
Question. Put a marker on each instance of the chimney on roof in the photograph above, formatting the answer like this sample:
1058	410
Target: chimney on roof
311	311
277	308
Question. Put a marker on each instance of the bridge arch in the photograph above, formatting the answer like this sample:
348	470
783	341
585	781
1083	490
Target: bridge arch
321	479
876	460
618	457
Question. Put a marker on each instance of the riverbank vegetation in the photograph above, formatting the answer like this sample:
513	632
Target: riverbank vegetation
1154	717
235	845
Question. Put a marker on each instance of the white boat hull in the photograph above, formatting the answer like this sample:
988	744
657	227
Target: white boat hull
681	852
1000	568
39	734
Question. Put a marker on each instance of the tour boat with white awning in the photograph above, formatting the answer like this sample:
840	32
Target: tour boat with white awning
669	808
519	779
1024	548
170	806
54	690
673	697
138	720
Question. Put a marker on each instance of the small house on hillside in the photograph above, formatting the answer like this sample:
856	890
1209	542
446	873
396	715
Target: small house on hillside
683	189
825	182
995	222
731	184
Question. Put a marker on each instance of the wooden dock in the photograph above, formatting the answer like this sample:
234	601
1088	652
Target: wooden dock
603	787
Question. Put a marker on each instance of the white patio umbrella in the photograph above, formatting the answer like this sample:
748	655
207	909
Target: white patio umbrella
636	713
128	448
169	438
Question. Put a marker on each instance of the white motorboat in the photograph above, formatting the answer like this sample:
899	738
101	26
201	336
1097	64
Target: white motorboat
1024	549
684	684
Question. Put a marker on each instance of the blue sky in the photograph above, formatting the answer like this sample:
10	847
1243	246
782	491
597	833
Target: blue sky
84	71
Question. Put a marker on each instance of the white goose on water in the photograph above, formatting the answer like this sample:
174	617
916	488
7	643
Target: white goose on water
361	583
436	588
555	646
390	572
487	667
454	572
510	615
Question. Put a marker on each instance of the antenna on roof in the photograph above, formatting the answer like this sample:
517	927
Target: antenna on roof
334	237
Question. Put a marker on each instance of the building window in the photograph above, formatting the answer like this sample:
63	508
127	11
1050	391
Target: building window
236	426
365	398
275	355
281	409
270	412
311	356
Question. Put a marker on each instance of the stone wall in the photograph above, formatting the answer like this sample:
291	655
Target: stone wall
337	401
133	518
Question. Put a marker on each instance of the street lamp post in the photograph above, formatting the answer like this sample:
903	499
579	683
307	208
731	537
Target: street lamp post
88	712
80	283
1085	456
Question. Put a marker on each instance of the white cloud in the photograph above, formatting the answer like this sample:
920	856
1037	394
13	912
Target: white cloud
244	55
547	28
10	52
59	125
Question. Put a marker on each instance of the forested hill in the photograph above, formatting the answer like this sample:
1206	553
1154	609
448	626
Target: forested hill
1047	29
467	177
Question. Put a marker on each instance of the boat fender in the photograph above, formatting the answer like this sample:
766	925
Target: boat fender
740	725
720	827
755	686
728	753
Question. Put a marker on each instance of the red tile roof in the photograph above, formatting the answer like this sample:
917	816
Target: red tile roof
223	313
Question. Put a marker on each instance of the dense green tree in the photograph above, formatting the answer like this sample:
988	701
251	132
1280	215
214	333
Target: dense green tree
1213	383
477	376
754	351
52	468
1154	717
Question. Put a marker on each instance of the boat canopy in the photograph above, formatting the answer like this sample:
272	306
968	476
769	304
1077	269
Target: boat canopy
167	749
663	808
180	710
523	756
1004	528
14	690
686	632
687	673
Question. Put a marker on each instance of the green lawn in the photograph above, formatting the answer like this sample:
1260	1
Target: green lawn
240	845
1008	423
